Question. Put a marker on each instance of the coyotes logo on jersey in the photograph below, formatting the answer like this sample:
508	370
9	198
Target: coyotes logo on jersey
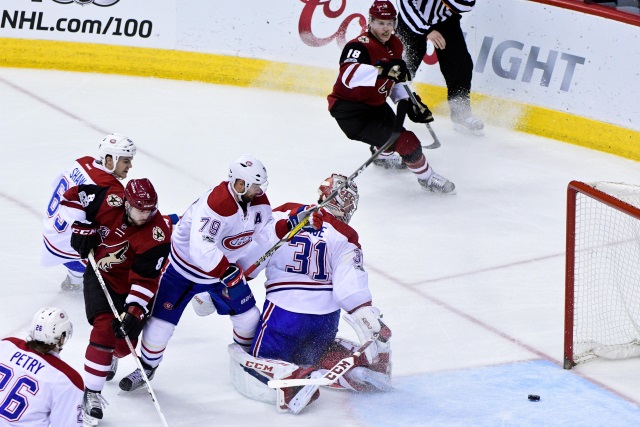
115	255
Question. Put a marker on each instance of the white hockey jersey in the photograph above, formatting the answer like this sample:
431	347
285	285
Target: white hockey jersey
37	390
215	231
318	272
56	235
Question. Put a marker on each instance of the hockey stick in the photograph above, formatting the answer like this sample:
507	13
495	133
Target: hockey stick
103	285
436	141
401	113
339	369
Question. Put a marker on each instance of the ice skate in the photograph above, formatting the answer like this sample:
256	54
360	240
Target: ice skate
112	369
92	404
71	284
469	125
437	184
388	160
134	380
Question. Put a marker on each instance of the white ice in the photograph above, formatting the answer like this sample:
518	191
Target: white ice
472	285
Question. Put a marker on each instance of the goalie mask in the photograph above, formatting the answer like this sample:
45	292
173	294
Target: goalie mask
251	171
116	145
346	201
51	325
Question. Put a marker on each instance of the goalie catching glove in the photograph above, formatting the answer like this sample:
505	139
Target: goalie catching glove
394	69
84	237
315	218
419	112
367	321
130	322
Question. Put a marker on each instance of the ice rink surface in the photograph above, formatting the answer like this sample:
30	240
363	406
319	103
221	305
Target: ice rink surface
472	285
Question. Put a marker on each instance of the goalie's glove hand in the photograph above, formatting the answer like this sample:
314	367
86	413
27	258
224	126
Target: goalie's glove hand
394	69
315	218
419	113
84	237
233	278
130	322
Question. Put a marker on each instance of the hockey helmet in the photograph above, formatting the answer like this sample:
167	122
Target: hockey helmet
141	195
51	325
250	170
116	145
382	9
346	201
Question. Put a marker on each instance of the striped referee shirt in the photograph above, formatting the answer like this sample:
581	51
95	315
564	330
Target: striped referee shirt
421	15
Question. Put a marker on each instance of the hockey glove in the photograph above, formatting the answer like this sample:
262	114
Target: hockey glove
315	218
419	113
234	280
394	69
84	237
130	322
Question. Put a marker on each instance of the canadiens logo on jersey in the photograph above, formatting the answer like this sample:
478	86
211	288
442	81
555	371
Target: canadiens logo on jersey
158	234
357	260
114	200
239	240
115	255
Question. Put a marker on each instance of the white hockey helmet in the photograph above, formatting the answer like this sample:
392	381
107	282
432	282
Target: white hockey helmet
346	201
250	170
51	325
116	145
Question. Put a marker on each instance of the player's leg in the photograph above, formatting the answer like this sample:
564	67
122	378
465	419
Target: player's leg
102	343
174	293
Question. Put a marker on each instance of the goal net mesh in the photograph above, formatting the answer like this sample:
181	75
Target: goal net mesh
606	275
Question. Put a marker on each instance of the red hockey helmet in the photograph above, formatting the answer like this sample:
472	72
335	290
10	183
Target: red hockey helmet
141	195
346	201
382	9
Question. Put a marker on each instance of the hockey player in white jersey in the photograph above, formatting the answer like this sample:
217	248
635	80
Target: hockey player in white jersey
37	388
309	281
112	165
221	234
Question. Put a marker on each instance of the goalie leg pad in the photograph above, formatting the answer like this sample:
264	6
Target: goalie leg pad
249	374
365	376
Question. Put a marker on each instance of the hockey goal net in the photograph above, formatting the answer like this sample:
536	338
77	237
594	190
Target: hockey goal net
602	278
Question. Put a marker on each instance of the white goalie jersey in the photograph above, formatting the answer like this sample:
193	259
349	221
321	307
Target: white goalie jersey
317	272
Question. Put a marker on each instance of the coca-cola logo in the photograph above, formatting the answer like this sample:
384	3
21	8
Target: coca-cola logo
315	7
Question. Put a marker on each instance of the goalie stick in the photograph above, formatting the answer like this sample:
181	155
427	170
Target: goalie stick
414	101
401	113
339	369
103	285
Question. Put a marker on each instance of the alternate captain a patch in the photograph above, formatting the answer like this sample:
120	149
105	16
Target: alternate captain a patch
258	218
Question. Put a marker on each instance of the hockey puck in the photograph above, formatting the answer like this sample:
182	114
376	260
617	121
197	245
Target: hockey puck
533	398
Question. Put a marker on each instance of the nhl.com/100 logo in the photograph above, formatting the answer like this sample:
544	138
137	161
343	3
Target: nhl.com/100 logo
103	3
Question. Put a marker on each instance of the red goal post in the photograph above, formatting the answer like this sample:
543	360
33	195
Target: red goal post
602	273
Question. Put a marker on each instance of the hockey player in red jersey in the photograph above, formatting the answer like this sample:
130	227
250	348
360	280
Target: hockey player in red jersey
371	70
37	387
131	243
115	158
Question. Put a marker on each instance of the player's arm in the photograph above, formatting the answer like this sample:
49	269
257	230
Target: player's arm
144	278
207	227
80	206
356	69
